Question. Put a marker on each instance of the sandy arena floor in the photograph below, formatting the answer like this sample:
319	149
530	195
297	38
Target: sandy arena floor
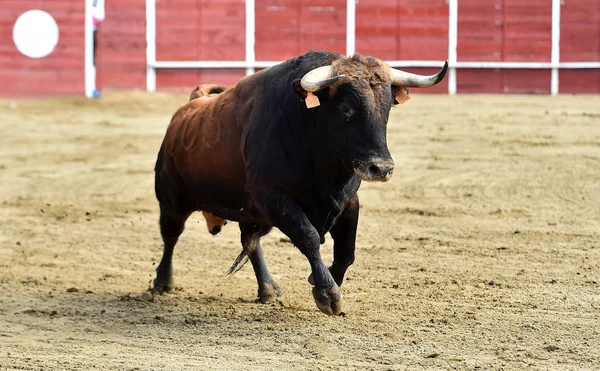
482	252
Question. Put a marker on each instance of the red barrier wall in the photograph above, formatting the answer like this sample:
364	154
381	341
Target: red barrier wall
509	31
287	28
200	30
121	53
399	30
61	72
580	41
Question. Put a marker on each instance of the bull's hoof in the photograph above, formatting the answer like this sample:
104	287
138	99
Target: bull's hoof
269	292
328	301
162	286
215	231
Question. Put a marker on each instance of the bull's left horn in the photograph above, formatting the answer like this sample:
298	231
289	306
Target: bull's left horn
319	78
410	80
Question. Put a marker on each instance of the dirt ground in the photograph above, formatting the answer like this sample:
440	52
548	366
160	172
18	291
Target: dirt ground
482	252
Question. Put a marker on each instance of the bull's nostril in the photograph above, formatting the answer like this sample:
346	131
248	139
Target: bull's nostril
374	169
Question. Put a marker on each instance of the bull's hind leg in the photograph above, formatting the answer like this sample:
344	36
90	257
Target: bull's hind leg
171	227
268	289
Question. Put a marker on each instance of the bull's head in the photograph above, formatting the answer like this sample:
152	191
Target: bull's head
356	96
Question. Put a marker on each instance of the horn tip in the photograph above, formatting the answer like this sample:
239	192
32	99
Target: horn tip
442	73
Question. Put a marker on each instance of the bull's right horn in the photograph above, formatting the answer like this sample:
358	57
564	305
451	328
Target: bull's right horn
410	80
319	78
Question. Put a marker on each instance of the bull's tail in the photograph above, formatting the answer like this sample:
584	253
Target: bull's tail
250	242
235	267
249	246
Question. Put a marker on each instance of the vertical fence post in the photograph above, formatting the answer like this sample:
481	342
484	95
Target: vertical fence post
452	44
250	35
150	45
350	27
555	53
89	69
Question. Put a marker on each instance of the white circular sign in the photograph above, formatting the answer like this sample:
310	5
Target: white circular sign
35	33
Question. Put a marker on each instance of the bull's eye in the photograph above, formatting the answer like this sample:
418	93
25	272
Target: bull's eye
346	110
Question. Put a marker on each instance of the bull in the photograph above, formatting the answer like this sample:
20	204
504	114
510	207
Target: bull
287	147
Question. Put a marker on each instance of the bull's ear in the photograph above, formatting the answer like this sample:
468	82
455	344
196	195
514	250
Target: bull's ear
399	94
299	90
311	99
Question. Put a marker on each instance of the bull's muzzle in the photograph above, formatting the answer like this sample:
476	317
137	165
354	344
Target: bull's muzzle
375	170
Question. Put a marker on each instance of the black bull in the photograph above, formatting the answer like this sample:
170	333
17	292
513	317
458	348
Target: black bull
258	155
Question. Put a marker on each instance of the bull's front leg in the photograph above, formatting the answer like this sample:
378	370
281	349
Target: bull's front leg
343	233
285	214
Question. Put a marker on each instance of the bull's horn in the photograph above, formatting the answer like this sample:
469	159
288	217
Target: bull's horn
319	78
410	80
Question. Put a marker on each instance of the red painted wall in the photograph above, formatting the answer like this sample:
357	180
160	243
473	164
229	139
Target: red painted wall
61	72
500	30
287	28
197	30
504	30
580	41
399	30
121	53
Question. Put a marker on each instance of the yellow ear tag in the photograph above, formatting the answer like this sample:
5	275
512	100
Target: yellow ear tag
311	100
402	96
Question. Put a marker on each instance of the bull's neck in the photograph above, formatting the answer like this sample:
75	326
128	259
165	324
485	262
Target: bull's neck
334	183
328	168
